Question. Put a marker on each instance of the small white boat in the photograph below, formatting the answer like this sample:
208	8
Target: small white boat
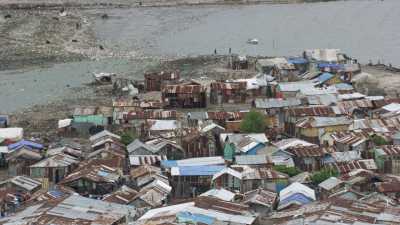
103	78
252	41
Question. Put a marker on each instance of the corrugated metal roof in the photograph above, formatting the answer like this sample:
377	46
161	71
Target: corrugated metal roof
222	115
367	164
291	142
251	159
159	125
268	103
311	111
260	197
190	88
208	170
221	193
330	183
103	134
319	121
295	86
310	151
389	150
26	183
59	160
137	160
200	161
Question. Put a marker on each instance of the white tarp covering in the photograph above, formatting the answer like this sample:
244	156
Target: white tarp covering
64	123
12	133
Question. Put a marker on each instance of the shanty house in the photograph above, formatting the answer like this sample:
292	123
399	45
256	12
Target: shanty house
192	180
387	159
73	209
295	194
93	179
192	176
91	115
350	141
22	184
201	143
311	129
159	146
228	92
155	81
309	158
277	67
275	109
244	179
54	168
330	186
143	175
294	114
204	210
21	155
151	196
260	201
228	120
242	144
185	95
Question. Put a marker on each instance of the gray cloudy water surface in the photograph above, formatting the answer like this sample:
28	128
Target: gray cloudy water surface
365	29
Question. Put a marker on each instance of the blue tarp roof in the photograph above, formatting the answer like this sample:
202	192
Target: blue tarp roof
199	170
25	143
324	77
344	86
169	163
298	197
297	60
56	193
194	218
331	65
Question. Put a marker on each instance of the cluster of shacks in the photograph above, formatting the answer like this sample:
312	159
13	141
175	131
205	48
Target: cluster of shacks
328	154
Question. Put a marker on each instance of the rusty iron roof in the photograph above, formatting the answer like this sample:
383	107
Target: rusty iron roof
365	164
228	85
186	88
311	111
225	115
388	187
163	75
310	151
390	150
151	114
124	195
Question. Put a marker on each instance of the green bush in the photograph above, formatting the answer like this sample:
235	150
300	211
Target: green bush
378	140
127	137
291	171
253	122
323	174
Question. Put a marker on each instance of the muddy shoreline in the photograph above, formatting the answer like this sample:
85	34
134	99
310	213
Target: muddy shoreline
87	4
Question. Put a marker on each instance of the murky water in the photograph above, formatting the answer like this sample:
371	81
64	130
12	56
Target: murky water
365	29
20	89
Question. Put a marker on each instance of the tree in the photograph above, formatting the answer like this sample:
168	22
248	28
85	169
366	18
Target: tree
127	137
291	171
323	174
378	140
253	122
